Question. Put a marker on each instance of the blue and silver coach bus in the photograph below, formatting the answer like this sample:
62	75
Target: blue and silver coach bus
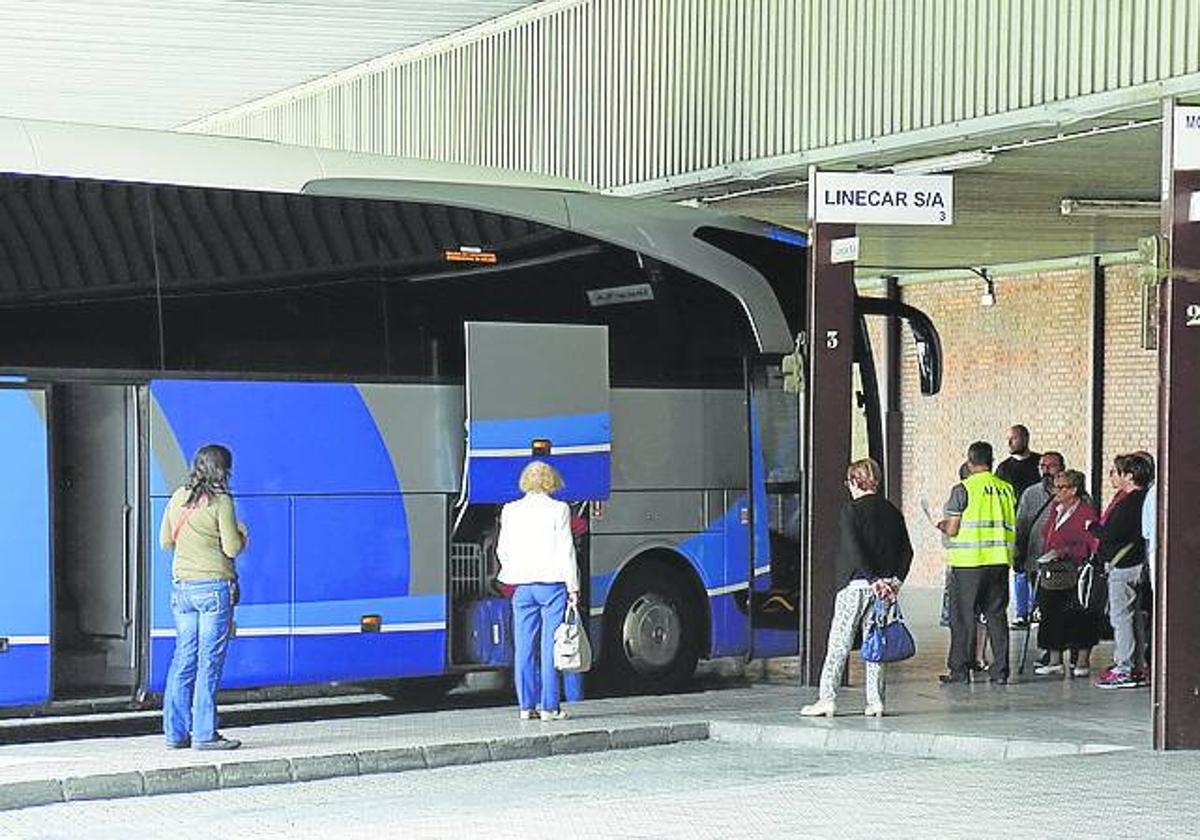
383	344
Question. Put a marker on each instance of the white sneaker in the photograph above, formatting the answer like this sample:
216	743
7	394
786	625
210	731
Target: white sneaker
822	708
1081	672
1049	670
874	710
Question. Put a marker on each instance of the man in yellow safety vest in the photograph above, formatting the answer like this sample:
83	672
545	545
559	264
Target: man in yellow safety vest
980	524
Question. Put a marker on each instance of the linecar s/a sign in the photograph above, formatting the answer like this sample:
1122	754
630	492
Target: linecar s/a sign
871	198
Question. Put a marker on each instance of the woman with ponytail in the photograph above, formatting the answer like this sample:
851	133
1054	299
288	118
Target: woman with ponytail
200	525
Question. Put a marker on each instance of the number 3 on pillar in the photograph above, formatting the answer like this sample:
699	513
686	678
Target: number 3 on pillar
832	340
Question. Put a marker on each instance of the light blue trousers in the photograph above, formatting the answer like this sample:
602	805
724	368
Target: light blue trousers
203	618
538	608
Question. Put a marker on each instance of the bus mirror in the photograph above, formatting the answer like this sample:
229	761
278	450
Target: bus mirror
792	368
925	335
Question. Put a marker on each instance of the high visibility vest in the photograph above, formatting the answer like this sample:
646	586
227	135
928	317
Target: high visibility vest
987	533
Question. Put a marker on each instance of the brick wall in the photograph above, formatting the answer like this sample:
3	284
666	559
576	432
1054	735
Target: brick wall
1024	360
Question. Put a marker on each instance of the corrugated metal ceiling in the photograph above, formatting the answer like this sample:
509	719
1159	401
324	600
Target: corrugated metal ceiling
162	63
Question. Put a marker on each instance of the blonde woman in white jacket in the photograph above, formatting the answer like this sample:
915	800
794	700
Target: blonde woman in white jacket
537	555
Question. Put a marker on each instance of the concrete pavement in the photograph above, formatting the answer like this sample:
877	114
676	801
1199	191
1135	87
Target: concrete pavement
1037	717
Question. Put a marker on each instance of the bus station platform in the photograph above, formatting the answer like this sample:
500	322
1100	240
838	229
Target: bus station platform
757	705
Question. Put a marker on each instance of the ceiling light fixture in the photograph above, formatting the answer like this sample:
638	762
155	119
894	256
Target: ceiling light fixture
1111	208
942	163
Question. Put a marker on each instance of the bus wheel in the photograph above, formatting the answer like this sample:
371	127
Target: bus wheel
652	632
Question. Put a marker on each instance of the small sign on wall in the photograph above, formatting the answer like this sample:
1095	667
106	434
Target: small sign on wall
1186	142
843	250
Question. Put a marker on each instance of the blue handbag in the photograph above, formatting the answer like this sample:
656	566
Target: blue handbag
887	638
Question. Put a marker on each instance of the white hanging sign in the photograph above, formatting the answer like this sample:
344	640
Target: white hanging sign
1186	139
873	198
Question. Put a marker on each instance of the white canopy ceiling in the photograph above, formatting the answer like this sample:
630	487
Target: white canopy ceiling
162	63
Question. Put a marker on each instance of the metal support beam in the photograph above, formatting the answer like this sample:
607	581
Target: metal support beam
892	417
1177	621
1098	470
830	334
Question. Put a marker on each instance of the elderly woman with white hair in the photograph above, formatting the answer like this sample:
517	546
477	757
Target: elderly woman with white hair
537	555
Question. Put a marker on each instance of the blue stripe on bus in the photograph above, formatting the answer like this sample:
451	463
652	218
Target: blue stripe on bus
585	476
560	430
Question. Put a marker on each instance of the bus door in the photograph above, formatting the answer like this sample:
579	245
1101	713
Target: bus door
773	564
25	611
533	392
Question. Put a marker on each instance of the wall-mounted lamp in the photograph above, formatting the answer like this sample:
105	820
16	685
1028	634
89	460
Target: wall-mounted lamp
988	298
1110	208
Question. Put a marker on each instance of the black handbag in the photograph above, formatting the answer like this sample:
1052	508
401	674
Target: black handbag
1057	574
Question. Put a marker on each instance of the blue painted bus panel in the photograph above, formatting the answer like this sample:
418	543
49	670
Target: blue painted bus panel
369	656
286	437
350	548
492	477
265	578
560	430
493	480
25	675
25	548
251	661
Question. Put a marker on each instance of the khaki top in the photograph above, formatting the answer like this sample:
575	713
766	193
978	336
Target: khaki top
208	541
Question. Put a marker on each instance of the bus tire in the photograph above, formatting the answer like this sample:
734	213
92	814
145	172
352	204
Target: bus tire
652	631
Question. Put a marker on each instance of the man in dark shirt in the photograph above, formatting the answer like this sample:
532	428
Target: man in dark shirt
1020	469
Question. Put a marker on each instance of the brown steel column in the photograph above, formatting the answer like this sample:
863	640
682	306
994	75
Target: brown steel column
830	334
1099	468
1177	620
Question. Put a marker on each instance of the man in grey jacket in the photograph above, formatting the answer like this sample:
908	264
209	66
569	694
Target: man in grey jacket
1032	512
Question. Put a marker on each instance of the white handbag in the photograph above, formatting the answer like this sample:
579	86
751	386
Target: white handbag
572	650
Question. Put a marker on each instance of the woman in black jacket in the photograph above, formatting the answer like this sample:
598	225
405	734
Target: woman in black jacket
1122	551
873	558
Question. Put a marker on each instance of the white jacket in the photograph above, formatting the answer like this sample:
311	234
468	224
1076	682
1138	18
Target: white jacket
535	544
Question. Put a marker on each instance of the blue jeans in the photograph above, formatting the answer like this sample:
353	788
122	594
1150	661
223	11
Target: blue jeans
203	620
538	609
1022	594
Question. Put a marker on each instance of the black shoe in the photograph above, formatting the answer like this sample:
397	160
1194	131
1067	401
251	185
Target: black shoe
953	679
218	743
1019	623
179	745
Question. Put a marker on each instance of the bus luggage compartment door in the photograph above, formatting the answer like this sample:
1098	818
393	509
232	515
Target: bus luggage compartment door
537	391
25	547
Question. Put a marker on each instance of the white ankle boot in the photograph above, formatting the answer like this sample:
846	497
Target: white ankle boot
822	708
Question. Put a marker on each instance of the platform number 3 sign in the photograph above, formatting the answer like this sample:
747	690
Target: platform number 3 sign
1193	315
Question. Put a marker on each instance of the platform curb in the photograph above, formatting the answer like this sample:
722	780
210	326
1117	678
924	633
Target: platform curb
827	735
230	774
